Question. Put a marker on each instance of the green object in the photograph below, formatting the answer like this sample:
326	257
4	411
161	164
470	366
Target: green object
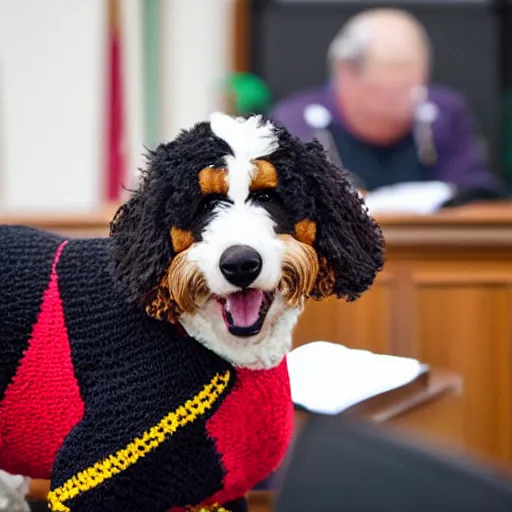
151	34
249	93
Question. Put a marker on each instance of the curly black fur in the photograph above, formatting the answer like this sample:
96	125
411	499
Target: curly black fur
310	187
167	196
347	236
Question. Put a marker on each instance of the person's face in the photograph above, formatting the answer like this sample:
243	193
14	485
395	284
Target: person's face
383	91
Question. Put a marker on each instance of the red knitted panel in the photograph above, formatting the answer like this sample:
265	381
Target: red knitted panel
252	429
43	402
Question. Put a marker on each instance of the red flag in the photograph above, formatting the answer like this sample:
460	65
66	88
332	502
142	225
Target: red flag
116	162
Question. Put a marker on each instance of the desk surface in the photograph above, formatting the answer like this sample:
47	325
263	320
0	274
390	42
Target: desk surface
496	213
477	213
473	226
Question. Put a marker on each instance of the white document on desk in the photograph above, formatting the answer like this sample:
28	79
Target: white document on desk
328	378
420	198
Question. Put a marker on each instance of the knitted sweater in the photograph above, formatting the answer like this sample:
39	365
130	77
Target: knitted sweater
123	411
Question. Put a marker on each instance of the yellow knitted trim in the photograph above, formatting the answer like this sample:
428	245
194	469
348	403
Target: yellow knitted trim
210	508
116	463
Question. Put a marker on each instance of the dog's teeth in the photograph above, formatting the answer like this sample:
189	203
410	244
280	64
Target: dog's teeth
227	306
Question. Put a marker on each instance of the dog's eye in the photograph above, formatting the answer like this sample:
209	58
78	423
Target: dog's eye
209	202
263	196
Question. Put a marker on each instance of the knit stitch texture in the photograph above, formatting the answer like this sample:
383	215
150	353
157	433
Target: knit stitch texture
125	412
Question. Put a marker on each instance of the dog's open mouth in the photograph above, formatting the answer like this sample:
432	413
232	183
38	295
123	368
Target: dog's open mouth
244	312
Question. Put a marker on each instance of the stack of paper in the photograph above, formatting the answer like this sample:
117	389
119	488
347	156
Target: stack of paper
328	378
417	198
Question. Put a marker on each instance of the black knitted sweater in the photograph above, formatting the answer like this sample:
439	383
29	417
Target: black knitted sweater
125	413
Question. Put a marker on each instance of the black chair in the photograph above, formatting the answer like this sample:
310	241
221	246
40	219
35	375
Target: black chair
339	465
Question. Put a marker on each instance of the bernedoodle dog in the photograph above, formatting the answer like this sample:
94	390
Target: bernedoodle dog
146	371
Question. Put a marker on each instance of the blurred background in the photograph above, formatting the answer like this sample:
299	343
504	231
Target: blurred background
422	119
85	85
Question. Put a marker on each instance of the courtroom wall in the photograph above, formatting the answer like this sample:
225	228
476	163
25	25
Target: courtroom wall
56	92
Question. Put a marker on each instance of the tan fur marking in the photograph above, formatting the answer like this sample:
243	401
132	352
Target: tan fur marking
179	289
325	280
162	307
213	181
305	231
299	271
181	239
265	176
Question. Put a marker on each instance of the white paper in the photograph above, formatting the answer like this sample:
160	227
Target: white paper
327	378
420	198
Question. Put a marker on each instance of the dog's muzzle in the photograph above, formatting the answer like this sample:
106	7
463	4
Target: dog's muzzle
243	311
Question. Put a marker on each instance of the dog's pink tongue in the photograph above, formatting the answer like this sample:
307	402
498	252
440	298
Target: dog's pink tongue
245	307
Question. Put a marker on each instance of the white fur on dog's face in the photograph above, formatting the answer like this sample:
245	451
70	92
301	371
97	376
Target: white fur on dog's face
242	223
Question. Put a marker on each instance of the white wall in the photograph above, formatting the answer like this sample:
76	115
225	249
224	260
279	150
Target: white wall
52	69
196	54
132	68
52	91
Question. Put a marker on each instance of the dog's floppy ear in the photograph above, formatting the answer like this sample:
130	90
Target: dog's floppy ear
141	246
349	243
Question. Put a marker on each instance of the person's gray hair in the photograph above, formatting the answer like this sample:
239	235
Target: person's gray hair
355	36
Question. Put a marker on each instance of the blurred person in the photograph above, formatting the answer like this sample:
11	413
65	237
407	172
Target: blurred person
380	117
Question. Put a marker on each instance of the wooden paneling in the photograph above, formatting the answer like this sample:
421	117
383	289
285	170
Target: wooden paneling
349	323
466	326
92	225
241	35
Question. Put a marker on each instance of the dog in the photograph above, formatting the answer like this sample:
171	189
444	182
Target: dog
146	371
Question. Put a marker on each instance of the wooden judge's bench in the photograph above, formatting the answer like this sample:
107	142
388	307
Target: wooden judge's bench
444	297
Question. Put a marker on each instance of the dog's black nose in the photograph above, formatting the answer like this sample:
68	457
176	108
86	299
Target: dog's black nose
240	265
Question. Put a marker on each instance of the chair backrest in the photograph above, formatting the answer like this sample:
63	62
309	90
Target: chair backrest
342	465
